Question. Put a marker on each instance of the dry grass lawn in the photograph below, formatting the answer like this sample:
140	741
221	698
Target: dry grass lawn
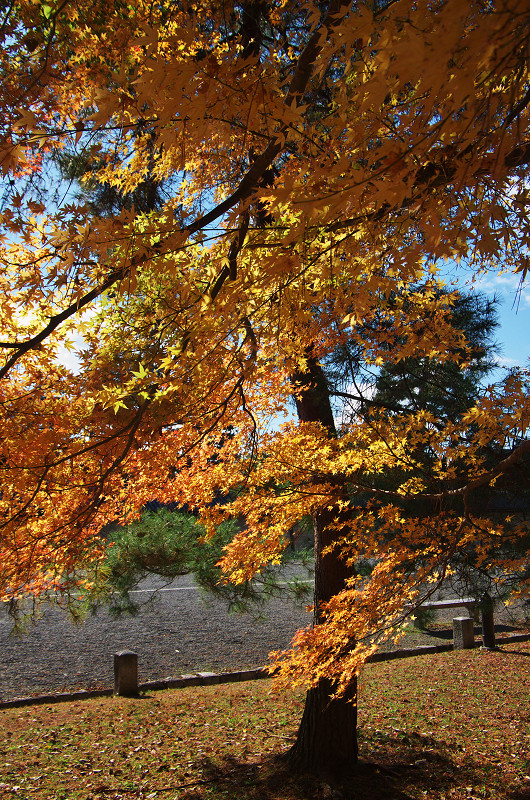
453	725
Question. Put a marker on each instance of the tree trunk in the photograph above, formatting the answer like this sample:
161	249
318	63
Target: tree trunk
326	742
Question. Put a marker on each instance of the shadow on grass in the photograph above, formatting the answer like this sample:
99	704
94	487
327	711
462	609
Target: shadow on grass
392	767
521	794
270	779
447	633
512	652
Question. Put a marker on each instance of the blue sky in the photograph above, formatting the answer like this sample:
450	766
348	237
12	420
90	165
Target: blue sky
514	316
513	309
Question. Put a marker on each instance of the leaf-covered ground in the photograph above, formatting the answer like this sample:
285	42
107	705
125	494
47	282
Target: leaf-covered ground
454	725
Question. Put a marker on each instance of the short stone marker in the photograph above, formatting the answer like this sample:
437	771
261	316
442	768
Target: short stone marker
126	673
488	623
463	633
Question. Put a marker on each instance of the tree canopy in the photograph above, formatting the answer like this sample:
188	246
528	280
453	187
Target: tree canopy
314	165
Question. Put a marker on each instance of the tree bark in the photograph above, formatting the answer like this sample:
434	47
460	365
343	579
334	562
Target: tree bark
326	742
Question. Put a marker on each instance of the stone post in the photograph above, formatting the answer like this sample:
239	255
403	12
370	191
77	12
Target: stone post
488	623
463	633
126	673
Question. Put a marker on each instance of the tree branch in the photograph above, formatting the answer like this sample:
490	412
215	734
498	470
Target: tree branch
464	491
302	74
57	319
366	401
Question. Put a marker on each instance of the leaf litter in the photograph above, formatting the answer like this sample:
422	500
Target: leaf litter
451	726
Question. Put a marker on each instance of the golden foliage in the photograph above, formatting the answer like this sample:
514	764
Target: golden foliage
315	176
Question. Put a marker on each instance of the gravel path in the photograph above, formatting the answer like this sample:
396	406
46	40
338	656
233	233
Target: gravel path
181	633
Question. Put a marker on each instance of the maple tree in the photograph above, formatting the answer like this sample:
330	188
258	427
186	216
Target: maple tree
319	162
